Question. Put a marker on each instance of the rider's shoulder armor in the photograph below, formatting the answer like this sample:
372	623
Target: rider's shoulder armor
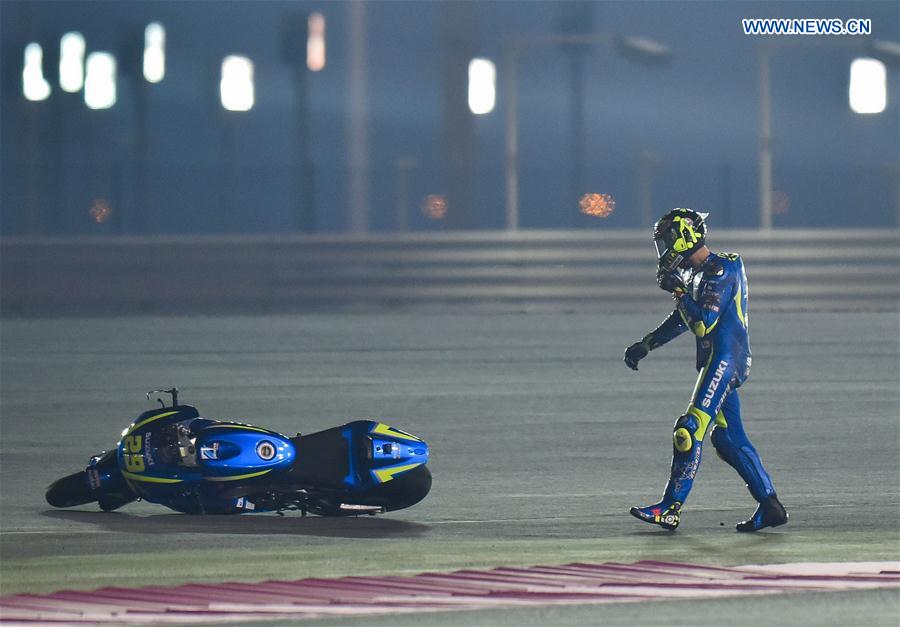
720	265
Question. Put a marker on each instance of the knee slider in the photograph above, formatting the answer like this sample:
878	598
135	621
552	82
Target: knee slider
685	429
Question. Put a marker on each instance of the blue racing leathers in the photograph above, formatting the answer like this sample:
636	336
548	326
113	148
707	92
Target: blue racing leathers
715	309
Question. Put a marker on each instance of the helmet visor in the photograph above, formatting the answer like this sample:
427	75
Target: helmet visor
669	258
661	247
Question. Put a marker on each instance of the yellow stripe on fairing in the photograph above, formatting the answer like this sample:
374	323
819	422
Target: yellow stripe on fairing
134	477
248	427
236	477
386	474
137	426
383	429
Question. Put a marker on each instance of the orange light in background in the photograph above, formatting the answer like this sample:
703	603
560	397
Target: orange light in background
597	205
100	211
434	207
781	202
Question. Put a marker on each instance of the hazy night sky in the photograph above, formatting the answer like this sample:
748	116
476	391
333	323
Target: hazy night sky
698	114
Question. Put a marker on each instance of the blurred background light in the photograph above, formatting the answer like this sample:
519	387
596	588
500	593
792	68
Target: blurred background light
781	202
100	81
482	86
236	86
644	50
154	52
34	86
887	51
597	205
868	85
315	42
71	62
330	150
100	211
434	207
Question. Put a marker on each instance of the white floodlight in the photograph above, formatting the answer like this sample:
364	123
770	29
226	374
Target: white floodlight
100	81
315	42
154	52
482	86
868	85
34	86
236	86
71	62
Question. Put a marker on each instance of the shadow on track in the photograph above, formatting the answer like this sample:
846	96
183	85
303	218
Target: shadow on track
348	527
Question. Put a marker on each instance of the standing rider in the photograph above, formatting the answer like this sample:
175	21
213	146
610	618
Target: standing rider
710	292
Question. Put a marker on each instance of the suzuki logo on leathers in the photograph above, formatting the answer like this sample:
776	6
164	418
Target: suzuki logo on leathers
720	372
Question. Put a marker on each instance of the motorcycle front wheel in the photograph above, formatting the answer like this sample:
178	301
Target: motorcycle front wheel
70	491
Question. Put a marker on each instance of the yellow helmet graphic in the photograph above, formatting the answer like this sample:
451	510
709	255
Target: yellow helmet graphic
677	235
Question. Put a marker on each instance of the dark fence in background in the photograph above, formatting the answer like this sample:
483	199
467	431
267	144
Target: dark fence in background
789	270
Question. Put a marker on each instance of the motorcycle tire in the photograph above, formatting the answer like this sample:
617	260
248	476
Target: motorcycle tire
404	491
70	491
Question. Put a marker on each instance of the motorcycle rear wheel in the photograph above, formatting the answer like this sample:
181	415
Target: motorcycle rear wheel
399	493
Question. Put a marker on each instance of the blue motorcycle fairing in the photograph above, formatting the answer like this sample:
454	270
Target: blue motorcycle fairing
227	451
222	454
103	473
137	452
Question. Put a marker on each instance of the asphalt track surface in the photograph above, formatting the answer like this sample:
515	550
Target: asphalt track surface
541	440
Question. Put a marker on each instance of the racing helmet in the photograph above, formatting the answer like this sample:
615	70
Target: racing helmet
677	235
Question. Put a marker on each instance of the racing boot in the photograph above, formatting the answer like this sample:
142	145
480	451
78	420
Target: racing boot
666	516
769	513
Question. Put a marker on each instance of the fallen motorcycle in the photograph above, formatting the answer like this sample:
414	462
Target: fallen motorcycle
174	457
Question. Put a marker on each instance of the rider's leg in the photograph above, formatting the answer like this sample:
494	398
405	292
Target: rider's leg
713	385
733	445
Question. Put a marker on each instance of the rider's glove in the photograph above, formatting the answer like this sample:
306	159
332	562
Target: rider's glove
635	353
670	282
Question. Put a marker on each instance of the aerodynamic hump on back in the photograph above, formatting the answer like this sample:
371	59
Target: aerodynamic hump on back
392	451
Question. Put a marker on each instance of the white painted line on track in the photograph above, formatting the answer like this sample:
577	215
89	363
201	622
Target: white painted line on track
830	568
85	528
